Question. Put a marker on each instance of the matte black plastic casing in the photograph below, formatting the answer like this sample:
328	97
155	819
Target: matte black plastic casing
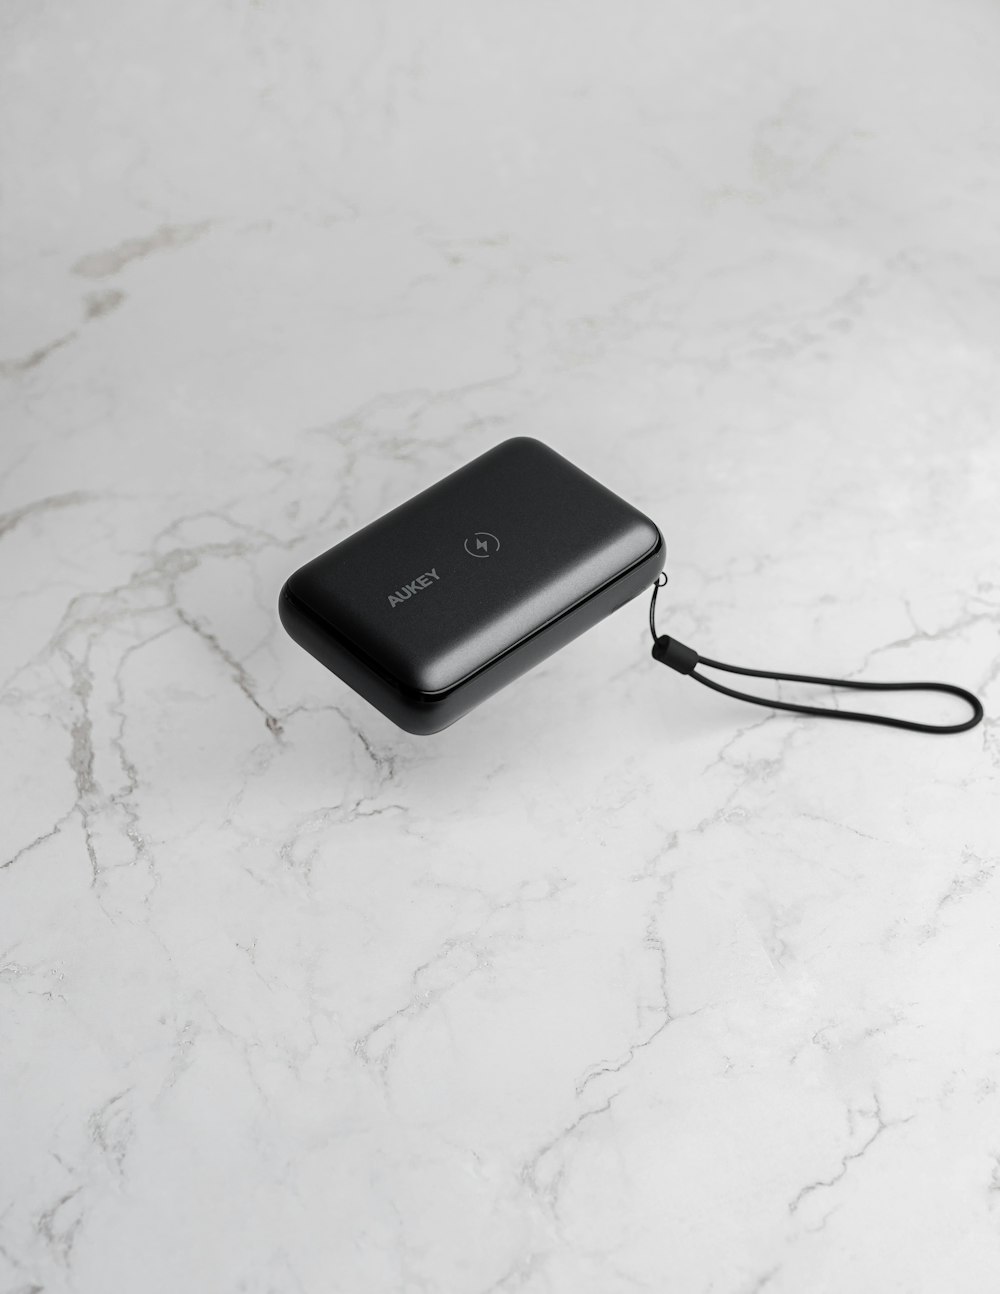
442	601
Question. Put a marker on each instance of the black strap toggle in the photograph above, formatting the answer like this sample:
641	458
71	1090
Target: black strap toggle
668	651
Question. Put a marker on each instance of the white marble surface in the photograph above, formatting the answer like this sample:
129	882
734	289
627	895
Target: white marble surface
615	985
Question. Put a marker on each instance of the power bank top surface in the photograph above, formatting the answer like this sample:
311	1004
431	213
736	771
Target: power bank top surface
470	568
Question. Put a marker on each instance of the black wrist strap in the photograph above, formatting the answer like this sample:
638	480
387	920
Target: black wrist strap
685	660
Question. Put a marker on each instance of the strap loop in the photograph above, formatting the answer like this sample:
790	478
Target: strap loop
685	660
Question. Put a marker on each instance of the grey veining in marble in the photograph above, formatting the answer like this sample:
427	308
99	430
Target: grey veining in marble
615	985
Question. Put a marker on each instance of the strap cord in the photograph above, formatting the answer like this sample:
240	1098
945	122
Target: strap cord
685	660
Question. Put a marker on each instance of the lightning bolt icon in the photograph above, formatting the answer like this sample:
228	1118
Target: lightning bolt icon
481	544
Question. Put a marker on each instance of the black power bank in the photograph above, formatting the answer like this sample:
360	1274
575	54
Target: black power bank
442	601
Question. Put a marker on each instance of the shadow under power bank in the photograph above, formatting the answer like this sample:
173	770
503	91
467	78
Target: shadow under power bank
442	601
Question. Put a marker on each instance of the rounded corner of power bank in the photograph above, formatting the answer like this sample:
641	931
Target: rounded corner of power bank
528	444
289	606
658	547
422	723
286	605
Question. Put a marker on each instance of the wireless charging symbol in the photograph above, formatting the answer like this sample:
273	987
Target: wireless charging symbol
482	544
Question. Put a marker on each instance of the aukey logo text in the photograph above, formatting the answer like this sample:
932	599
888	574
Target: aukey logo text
407	591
